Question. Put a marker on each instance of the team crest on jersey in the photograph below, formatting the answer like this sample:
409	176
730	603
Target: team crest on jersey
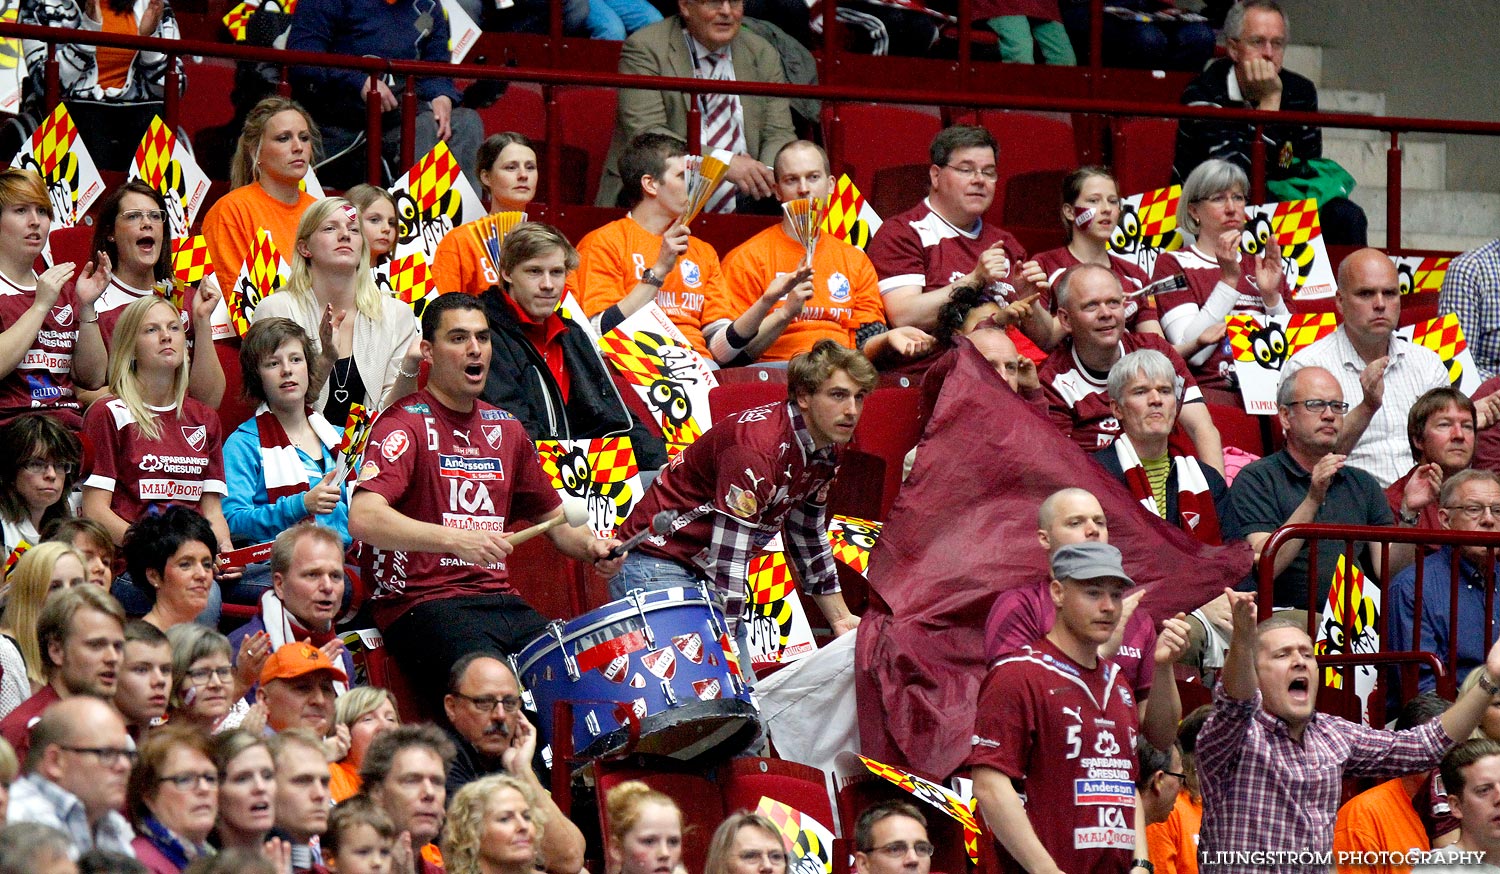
369	471
196	437
394	446
491	435
838	287
740	502
63	315
692	274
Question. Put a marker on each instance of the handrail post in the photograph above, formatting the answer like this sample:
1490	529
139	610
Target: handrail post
409	122
1393	192
833	140
53	76
555	31
831	42
374	137
172	92
1258	164
1096	35
554	149
965	41
694	129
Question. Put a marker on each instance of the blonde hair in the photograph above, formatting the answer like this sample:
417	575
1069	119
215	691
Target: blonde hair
358	701
463	833
721	846
367	295
122	378
243	167
26	594
623	805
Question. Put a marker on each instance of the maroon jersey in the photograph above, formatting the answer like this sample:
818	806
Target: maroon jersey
474	470
1021	615
181	465
117	295
1132	278
920	247
1077	400
1203	274
746	479
44	378
1043	715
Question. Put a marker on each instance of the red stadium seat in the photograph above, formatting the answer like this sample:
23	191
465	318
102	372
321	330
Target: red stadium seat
858	793
209	84
1240	429
889	427
802	787
1028	142
879	136
235	408
587	122
551	582
383	673
896	189
1143	150
697	796
519	109
1418	307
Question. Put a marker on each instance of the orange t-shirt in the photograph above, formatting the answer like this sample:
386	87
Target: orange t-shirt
846	291
1379	819
612	259
343	781
1173	844
114	64
461	263
230	227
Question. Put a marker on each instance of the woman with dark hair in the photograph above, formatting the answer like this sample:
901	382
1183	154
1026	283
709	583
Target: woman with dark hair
173	553
277	145
1090	215
38	468
173	798
280	464
507	170
134	232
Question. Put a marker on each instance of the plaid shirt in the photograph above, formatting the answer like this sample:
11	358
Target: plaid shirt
34	798
1264	791
1471	291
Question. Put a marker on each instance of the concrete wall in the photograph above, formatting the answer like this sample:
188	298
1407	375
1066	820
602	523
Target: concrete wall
1433	59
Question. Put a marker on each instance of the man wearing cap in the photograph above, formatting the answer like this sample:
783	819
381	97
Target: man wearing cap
1059	712
296	686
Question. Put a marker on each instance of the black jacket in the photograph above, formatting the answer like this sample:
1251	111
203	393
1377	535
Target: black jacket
1199	140
520	383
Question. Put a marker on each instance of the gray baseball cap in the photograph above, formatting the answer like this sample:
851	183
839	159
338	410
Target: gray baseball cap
1090	560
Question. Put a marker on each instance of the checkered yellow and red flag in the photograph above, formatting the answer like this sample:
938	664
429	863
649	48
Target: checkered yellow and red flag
1352	610
638	359
263	274
770	578
1158	211
238	20
190	259
941	797
154	155
803	836
10	49
1429	274
1443	336
412	281
432	177
850	217
1240	327
1296	221
612	460
356	432
15	556
1305	329
55	141
852	539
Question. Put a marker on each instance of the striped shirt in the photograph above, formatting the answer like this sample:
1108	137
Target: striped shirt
1471	291
1383	450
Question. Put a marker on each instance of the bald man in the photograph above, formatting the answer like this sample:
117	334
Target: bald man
1382	375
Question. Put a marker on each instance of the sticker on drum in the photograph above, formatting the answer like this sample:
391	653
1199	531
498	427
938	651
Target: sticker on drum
662	662
708	690
597	651
638	705
691	646
616	670
638	682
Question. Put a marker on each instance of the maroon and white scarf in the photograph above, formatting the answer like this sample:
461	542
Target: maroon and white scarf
280	462
1195	505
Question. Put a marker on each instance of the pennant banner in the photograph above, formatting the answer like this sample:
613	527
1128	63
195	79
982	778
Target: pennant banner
12	62
850	217
237	20
809	842
352	443
1147	227
1349	625
1444	336
463	33
264	273
433	198
1261	344
778	630
602	472
665	370
852	539
56	154
409	279
168	166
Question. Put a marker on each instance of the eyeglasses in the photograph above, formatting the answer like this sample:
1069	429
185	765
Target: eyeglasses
201	676
37	467
108	756
988	174
189	782
1182	777
136	216
487	703
714	4
1260	42
1222	198
1317	405
753	857
899	849
1475	512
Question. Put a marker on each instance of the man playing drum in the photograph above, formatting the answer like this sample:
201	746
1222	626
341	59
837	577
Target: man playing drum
441	454
762	472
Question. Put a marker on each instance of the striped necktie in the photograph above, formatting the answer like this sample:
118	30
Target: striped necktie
720	127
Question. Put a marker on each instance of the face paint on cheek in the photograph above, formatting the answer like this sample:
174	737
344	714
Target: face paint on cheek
1082	219
190	696
349	212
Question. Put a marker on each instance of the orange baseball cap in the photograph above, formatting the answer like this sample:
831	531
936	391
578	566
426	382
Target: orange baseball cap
294	660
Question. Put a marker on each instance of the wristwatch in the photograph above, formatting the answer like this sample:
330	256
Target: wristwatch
1409	518
1489	686
1144	865
649	277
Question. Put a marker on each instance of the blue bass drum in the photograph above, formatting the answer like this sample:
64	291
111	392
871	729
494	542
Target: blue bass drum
665	656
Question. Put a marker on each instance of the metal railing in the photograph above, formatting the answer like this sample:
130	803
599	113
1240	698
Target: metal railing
831	95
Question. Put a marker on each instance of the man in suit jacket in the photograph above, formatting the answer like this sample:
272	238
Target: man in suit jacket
679	46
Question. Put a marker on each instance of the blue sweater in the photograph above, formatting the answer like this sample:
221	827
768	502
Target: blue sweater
248	509
373	28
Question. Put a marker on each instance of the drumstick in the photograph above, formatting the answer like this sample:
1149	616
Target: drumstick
1175	282
574	512
660	524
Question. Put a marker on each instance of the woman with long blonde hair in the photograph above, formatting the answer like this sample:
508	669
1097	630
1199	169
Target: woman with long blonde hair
493	827
39	572
368	344
277	146
155	447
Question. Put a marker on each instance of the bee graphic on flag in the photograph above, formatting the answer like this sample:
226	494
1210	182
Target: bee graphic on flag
1349	619
769	609
598	471
430	206
1141	241
665	368
61	179
1269	346
1296	258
